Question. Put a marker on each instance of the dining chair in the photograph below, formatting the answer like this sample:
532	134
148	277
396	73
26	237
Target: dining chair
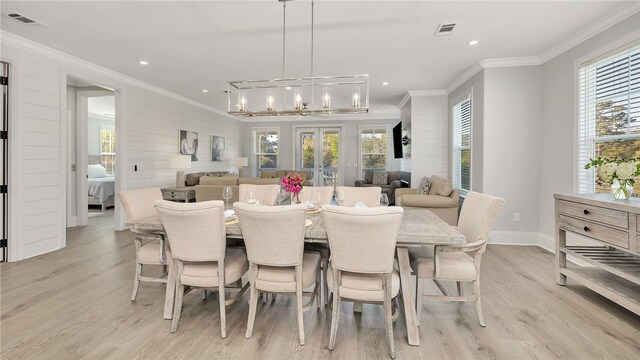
363	243
326	196
274	237
197	236
151	248
370	196
459	263
265	194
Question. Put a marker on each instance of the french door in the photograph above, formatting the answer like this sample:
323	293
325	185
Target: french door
4	154
318	150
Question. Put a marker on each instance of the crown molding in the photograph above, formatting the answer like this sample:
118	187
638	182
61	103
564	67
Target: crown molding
421	93
605	22
70	60
464	77
510	62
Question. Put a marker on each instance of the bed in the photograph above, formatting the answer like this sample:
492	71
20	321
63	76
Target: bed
100	186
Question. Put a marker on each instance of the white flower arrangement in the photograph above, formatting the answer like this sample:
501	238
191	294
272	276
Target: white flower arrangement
610	171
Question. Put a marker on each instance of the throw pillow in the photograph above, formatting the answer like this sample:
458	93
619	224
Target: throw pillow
440	186
96	171
424	186
380	177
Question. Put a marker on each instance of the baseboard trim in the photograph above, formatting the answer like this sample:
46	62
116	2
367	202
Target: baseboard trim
522	238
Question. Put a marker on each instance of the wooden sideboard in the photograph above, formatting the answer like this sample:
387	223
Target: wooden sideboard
614	259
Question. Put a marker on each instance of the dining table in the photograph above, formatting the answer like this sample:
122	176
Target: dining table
419	227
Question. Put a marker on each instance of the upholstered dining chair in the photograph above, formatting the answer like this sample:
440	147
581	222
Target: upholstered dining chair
370	196
326	196
197	236
274	237
150	245
363	243
459	263
266	194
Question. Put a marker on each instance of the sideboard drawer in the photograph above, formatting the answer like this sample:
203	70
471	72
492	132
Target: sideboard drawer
594	213
173	195
593	230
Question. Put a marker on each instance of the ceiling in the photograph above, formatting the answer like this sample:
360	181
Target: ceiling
192	46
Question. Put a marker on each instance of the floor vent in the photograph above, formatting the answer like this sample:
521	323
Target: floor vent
445	29
23	19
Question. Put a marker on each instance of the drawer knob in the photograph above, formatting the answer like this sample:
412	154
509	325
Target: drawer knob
586	212
586	228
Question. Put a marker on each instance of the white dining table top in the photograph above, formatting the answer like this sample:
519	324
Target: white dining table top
419	227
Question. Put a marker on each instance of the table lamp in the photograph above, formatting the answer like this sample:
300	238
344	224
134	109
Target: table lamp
180	162
241	162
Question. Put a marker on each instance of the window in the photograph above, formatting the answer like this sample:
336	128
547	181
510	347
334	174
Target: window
609	112
266	149
373	149
108	149
461	154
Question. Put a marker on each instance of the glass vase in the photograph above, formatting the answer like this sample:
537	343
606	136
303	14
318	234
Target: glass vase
621	190
296	199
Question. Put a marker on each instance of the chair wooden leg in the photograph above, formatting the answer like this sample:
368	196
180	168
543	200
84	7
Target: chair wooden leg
177	307
223	313
325	286
335	315
476	290
388	315
419	294
204	294
357	307
317	289
299	304
136	281
253	302
170	293
459	286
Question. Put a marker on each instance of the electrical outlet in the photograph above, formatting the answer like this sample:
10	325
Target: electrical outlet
516	217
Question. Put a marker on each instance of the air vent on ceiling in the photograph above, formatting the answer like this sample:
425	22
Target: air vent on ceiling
445	29
23	19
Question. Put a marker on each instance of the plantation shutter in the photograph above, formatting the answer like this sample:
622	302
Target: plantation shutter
461	159
614	81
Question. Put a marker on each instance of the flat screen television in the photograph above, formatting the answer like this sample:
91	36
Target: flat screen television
397	141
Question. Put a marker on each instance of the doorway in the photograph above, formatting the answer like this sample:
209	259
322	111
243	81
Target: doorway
92	174
318	149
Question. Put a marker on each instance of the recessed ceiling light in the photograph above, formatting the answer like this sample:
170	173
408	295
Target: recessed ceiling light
288	88
473	42
205	90
143	62
375	112
385	83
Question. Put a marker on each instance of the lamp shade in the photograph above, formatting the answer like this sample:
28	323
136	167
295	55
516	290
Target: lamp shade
242	161
180	162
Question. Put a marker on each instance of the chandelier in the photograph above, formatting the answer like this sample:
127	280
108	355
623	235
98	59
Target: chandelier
312	95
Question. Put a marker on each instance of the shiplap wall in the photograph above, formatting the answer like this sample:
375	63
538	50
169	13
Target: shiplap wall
38	99
153	123
429	137
39	140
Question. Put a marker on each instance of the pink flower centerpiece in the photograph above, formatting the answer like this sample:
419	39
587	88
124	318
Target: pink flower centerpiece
292	183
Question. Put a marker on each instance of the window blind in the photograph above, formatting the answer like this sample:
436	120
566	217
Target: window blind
461	159
608	110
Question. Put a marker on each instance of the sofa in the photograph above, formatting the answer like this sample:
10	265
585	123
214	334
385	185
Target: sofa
210	187
306	175
395	180
193	179
441	200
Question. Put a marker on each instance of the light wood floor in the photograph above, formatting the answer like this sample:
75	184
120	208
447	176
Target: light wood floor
74	303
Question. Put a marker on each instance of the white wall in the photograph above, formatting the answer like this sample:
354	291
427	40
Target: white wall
512	113
558	170
350	134
147	121
429	137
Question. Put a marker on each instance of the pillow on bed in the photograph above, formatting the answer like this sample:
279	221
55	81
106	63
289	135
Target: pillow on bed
97	171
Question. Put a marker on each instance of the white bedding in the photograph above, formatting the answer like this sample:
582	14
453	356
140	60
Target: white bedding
102	188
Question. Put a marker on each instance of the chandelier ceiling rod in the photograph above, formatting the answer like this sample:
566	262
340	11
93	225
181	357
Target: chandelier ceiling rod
284	38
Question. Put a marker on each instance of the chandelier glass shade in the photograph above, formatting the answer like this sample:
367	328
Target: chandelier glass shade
339	94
